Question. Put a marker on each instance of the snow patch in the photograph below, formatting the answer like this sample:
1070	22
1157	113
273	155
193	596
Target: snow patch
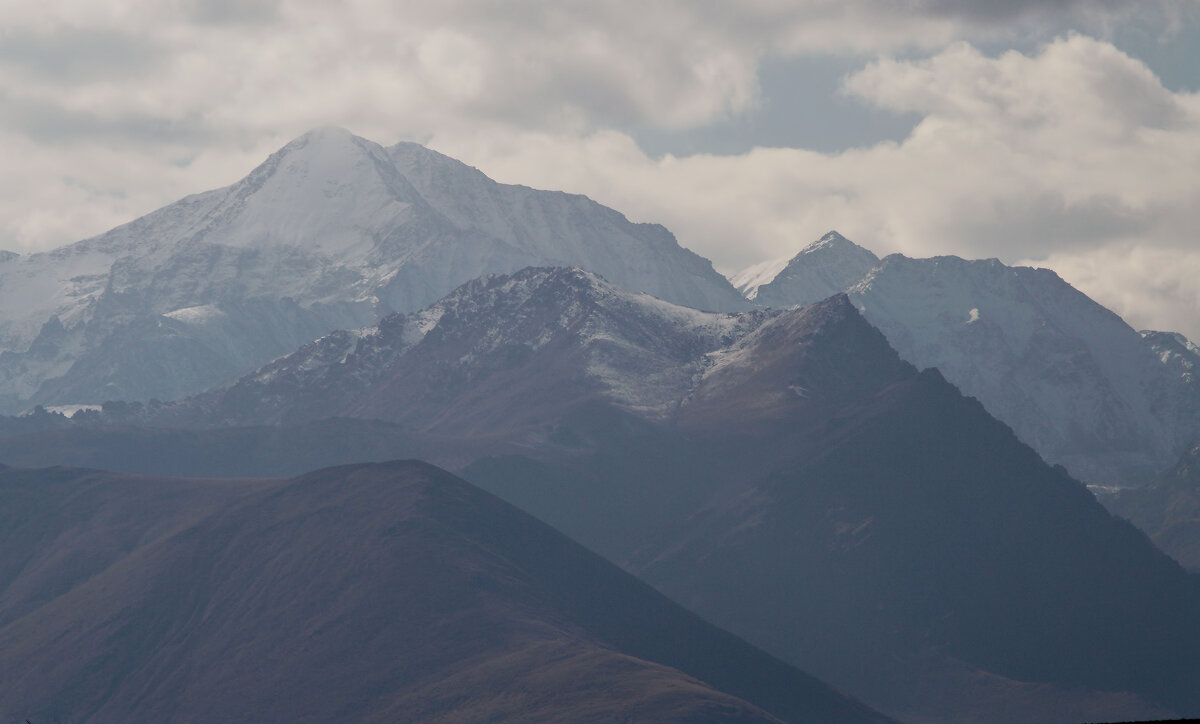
748	280
70	410
202	314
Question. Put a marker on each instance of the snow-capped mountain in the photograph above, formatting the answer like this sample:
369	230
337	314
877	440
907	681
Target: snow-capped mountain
332	231
1073	379
499	353
825	267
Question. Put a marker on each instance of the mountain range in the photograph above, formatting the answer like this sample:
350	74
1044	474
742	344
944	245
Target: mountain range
784	473
331	232
870	468
1078	384
336	232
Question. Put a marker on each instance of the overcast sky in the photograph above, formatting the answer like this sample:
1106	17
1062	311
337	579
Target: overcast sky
1062	133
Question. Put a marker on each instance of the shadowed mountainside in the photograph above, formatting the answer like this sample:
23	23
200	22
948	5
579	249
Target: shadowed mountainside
1168	508
784	474
366	592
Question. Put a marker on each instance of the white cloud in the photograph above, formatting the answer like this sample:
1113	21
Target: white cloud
1150	286
111	109
1074	157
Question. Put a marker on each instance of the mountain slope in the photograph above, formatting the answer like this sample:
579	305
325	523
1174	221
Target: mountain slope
368	593
560	229
911	544
328	233
1168	508
486	357
1075	382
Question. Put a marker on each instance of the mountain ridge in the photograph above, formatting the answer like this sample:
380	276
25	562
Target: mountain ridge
366	591
326	234
1073	379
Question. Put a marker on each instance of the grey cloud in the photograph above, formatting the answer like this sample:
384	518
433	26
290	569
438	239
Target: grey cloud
1008	11
233	12
1030	226
49	123
80	55
1140	99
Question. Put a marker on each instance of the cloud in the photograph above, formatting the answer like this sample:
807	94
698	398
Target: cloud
1074	157
1149	285
74	55
111	109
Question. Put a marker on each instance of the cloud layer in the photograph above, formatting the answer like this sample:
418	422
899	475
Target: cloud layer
1073	155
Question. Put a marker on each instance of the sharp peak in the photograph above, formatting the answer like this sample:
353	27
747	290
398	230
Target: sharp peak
838	305
831	238
331	147
331	138
834	240
831	311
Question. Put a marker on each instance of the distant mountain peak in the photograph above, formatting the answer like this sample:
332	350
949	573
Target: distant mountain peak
830	251
325	134
331	149
834	241
331	231
825	267
831	239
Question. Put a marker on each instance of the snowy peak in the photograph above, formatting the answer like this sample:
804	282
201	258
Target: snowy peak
1069	376
827	266
507	353
833	240
331	231
794	362
319	193
496	353
557	297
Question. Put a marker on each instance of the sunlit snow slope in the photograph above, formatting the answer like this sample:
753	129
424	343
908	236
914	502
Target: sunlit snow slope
332	231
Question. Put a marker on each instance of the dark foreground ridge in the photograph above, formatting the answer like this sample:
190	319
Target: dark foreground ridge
359	593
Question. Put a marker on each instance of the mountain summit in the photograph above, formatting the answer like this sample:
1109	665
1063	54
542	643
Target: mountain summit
331	232
1073	380
825	267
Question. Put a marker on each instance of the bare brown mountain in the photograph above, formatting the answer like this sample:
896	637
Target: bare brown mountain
377	592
